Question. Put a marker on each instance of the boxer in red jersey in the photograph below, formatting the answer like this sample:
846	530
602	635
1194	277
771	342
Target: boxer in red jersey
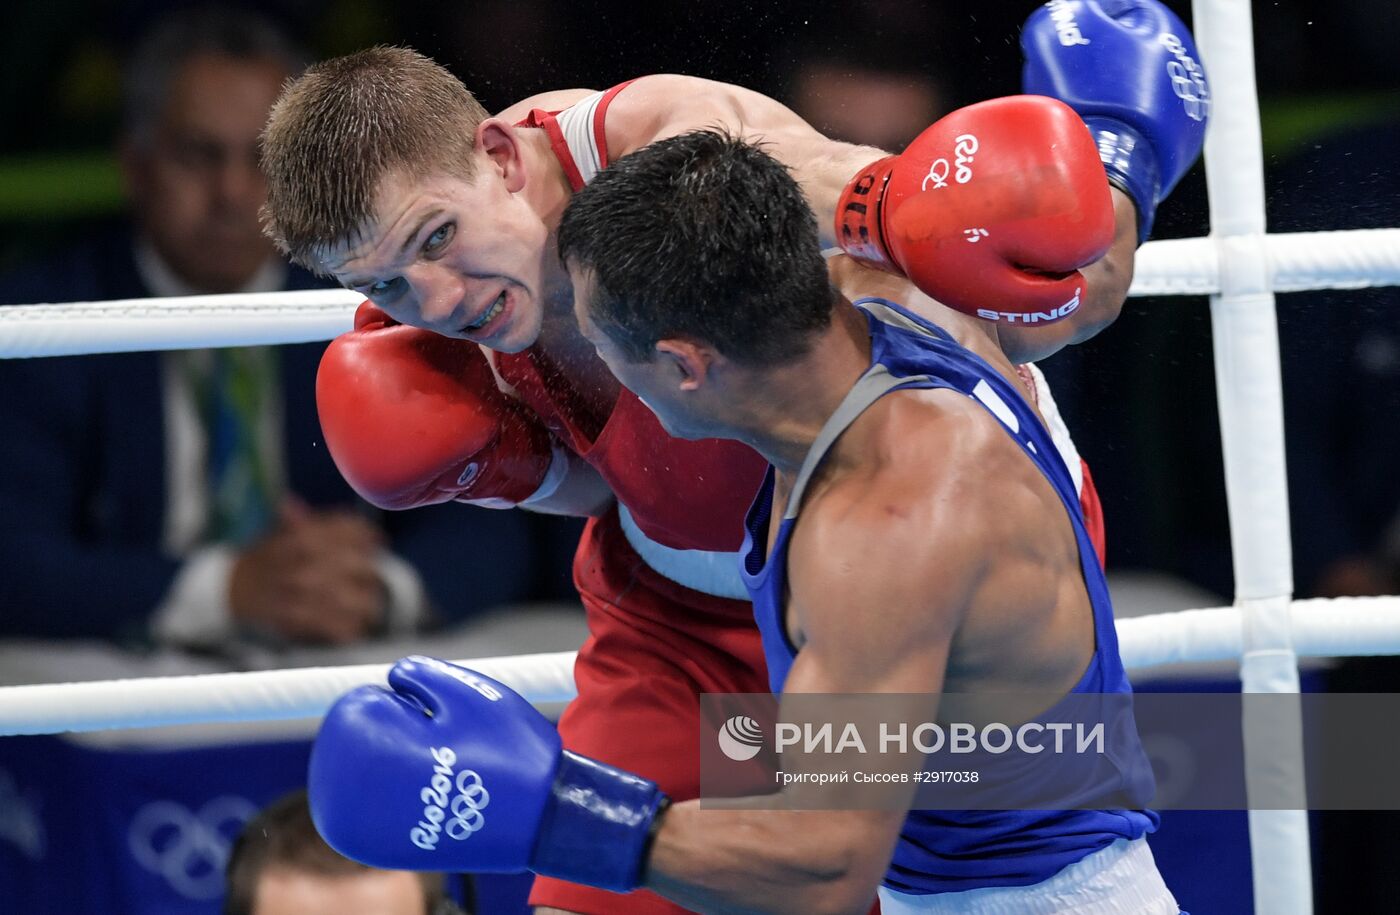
386	174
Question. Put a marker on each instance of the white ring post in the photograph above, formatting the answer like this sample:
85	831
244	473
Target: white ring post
1250	393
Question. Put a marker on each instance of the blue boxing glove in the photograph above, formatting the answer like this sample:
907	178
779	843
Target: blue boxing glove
1131	70
449	770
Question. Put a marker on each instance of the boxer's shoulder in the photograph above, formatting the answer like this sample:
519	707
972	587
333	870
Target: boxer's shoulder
893	546
935	459
553	100
664	105
913	461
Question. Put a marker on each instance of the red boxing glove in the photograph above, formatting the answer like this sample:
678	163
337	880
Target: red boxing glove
991	211
414	418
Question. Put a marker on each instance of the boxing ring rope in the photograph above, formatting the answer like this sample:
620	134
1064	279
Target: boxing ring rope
1321	628
1239	266
1294	262
271	695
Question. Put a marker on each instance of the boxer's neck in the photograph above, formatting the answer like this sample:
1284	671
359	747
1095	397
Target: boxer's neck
547	190
790	404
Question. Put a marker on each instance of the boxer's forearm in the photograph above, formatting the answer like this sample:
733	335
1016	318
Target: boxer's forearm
764	860
665	105
824	171
1107	282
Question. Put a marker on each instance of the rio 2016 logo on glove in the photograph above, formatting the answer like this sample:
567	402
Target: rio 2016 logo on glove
965	147
467	818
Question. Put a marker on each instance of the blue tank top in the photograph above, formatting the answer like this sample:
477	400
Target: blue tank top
956	850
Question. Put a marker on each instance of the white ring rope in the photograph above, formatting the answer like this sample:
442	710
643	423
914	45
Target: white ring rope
183	322
1295	261
1188	266
1321	628
270	695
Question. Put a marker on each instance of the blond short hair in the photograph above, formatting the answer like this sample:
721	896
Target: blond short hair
344	125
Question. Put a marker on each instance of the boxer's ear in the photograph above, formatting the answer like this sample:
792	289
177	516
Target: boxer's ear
496	138
690	360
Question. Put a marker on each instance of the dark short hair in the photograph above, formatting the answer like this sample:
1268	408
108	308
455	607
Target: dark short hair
701	236
282	837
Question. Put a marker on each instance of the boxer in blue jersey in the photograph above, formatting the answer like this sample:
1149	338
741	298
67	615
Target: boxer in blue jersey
917	535
940	548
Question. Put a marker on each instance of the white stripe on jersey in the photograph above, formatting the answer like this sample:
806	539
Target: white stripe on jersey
708	572
576	123
1055	425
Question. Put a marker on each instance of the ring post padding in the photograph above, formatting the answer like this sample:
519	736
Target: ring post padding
1250	394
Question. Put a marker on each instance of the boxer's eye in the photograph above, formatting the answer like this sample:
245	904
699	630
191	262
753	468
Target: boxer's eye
439	239
383	288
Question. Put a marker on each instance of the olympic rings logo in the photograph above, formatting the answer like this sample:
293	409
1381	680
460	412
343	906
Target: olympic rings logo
1188	79
188	849
471	798
465	807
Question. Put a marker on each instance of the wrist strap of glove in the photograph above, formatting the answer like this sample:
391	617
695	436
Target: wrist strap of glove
554	476
860	229
597	825
1131	164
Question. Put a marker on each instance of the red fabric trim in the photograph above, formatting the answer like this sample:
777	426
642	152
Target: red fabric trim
1093	514
547	121
599	135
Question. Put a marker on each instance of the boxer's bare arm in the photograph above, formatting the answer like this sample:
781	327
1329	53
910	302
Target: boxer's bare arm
881	571
1109	278
664	105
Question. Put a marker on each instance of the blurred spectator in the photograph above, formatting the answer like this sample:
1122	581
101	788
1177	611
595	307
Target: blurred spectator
185	497
1341	373
879	84
281	866
868	101
504	50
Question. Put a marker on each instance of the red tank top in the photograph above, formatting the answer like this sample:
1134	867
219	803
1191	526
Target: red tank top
681	494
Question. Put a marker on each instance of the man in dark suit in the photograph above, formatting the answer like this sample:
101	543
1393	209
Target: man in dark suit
186	498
